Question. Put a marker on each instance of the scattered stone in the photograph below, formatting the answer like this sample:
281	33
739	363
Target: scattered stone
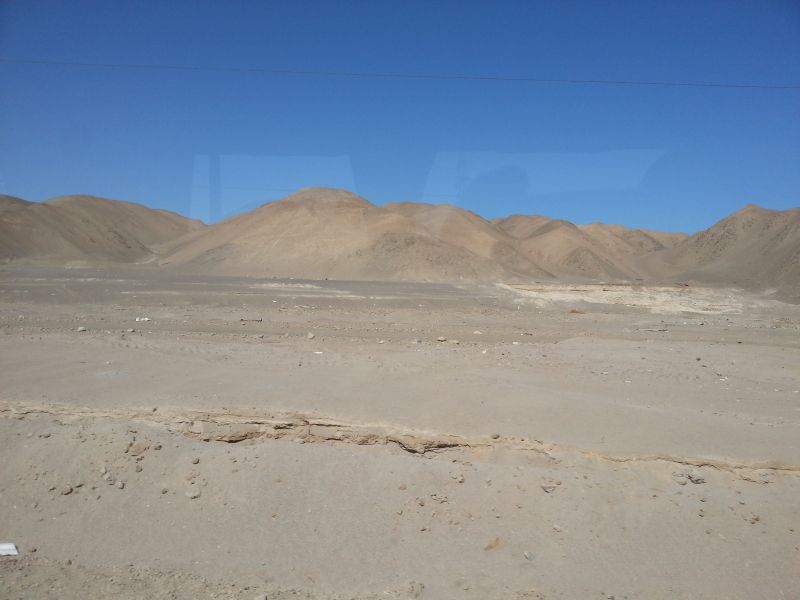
528	555
495	436
130	330
548	488
441	338
138	468
310	336
493	544
679	478
66	490
193	494
415	589
121	485
81	329
195	460
695	478
164	490
138	448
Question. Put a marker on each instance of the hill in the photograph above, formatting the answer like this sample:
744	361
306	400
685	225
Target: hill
85	228
610	252
320	232
753	248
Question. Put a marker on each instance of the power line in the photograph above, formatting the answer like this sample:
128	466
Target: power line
419	76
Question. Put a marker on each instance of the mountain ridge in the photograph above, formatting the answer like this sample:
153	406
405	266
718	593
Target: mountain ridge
333	233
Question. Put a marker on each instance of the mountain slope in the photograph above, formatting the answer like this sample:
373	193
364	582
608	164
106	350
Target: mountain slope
753	247
594	251
86	228
320	232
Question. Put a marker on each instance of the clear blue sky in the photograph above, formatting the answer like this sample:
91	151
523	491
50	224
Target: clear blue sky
212	143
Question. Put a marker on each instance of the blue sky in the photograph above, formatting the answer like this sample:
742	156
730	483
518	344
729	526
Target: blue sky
213	143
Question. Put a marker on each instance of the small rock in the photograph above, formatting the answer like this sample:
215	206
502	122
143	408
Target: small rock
310	336
415	589
138	468
130	330
66	490
695	478
195	460
121	484
495	436
441	338
679	478
138	448
260	597
81	329
548	488
164	490
193	494
528	555
493	544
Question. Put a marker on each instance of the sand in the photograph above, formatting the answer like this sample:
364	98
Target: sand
314	439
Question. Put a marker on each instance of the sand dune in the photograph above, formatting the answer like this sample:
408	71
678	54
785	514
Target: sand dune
322	233
85	228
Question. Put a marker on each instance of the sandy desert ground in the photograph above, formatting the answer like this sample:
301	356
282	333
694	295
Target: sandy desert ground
210	437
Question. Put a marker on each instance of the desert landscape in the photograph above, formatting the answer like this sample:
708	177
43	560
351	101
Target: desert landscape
328	399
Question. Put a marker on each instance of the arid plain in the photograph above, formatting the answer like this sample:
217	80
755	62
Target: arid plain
174	433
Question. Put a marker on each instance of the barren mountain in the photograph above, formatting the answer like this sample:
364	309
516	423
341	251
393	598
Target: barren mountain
322	233
594	251
85	228
10	202
318	233
754	248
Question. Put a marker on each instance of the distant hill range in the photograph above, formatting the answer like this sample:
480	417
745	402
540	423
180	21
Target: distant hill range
317	233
